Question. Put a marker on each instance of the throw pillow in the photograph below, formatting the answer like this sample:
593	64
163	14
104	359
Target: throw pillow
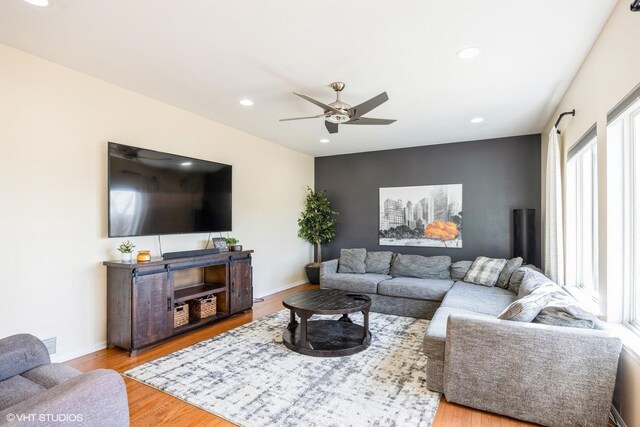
485	271
459	269
516	278
378	262
507	271
352	261
525	309
532	280
563	310
433	267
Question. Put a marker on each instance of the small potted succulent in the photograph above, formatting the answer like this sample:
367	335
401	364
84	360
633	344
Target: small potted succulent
126	249
233	245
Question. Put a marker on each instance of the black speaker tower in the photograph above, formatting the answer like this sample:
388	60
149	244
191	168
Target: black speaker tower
524	234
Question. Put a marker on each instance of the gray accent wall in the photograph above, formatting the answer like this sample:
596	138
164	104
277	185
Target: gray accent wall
497	176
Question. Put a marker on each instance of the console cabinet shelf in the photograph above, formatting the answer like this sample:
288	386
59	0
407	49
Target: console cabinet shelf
201	290
141	296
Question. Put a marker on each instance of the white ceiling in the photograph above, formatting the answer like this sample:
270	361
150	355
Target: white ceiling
204	56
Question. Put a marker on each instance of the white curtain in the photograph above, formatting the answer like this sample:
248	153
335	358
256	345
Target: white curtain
553	236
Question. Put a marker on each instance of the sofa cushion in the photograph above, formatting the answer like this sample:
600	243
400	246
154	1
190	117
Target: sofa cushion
516	278
414	288
16	389
533	280
572	315
366	283
512	265
459	269
51	375
378	262
485	271
432	267
479	299
436	335
564	310
352	260
525	309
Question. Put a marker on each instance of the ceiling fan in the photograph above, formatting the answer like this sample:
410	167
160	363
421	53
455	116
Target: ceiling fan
340	113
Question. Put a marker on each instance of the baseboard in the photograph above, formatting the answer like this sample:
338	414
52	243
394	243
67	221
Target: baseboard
63	357
280	289
616	417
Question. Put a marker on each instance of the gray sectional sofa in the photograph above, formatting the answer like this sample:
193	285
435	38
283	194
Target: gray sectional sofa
556	367
395	287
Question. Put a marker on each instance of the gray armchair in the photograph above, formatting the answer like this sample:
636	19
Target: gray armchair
36	392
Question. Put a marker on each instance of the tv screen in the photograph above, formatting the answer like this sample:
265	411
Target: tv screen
151	192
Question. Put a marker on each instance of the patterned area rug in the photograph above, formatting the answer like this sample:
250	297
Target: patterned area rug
250	378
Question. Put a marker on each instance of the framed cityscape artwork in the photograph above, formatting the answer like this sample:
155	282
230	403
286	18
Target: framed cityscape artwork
426	215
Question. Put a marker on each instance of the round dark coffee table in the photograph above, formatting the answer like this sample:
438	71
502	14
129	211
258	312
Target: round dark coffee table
326	338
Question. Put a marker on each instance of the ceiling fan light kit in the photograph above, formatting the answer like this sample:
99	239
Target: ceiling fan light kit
338	118
339	112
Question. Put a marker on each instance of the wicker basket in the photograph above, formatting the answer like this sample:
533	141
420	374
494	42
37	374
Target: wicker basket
201	308
180	315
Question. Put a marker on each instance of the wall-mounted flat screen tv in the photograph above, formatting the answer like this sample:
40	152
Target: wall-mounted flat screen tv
151	193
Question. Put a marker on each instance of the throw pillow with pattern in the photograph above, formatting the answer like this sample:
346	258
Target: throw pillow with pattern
485	271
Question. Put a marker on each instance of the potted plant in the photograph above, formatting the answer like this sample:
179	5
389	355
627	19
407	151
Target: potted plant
126	249
233	245
317	226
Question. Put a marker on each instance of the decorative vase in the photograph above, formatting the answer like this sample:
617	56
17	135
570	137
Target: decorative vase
126	256
313	273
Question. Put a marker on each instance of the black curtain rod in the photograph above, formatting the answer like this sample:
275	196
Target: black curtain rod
572	112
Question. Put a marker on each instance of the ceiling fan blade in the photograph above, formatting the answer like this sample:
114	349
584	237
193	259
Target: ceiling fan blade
331	127
368	121
302	118
318	103
362	109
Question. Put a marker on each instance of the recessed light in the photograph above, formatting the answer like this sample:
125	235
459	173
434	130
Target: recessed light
324	140
468	53
246	102
186	164
477	120
40	3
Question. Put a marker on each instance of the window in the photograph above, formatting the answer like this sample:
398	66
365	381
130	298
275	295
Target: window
582	216
623	131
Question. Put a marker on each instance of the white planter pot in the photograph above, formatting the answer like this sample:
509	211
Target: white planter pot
126	257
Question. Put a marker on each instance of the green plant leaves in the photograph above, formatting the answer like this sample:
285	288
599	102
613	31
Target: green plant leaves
317	225
126	247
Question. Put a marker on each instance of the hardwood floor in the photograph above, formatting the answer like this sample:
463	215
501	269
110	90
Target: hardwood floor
150	407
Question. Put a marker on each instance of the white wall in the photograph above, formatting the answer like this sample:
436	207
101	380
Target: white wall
54	128
610	71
